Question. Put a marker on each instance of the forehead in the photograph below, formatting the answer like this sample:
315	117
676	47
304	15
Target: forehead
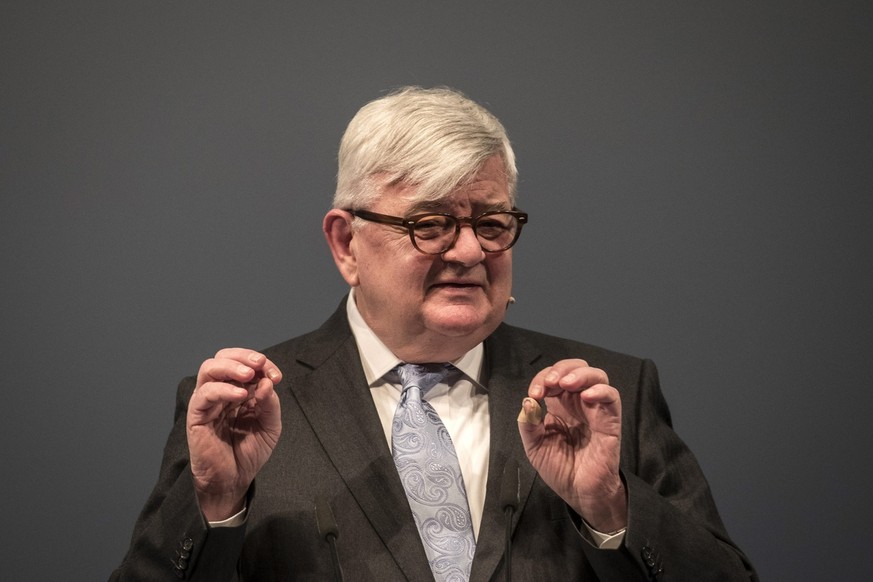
488	189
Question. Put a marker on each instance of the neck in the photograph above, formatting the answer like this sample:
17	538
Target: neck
426	350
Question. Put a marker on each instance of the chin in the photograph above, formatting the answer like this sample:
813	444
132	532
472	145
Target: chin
463	321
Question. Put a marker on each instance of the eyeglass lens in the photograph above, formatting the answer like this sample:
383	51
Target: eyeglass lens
437	233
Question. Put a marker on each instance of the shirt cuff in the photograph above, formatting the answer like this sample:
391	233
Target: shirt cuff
606	541
232	521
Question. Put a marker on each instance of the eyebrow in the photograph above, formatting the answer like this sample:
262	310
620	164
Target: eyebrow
437	207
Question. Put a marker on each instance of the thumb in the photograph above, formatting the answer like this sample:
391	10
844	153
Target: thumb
530	423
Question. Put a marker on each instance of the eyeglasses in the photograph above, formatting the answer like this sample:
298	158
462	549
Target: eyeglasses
434	234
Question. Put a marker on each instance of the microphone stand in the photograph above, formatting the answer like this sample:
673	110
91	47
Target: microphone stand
328	530
509	500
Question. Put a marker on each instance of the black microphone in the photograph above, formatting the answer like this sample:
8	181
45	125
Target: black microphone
509	503
328	531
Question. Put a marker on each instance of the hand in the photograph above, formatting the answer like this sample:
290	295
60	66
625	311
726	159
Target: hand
575	446
233	424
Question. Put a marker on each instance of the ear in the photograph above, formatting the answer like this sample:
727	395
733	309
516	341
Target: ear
337	227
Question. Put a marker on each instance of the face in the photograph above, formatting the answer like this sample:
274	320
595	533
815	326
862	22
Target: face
428	308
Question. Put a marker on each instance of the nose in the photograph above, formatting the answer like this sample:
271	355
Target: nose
466	250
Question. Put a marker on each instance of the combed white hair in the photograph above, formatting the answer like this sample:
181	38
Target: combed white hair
434	139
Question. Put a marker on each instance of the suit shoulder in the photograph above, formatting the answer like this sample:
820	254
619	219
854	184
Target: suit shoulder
554	347
312	348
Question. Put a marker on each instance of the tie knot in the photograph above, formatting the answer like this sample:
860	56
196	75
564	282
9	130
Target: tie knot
422	376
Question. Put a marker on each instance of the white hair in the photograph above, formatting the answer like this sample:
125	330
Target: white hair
435	139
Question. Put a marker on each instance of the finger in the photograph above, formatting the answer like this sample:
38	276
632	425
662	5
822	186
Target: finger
531	412
581	378
264	395
241	355
602	394
530	425
547	377
603	408
566	376
259	389
211	398
255	360
225	370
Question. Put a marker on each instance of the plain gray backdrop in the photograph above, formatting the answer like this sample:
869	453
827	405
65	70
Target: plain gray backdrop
697	175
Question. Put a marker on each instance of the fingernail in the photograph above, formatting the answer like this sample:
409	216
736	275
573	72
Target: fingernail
551	376
274	375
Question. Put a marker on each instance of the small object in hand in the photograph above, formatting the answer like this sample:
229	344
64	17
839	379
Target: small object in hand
531	412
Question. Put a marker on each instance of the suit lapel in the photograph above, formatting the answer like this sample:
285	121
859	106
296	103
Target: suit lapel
332	393
510	364
336	401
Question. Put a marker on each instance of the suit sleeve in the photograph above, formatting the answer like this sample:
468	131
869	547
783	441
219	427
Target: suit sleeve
171	539
674	531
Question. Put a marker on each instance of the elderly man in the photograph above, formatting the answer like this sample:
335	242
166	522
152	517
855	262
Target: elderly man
423	427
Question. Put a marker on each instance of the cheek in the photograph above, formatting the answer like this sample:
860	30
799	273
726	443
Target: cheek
381	263
402	279
500	272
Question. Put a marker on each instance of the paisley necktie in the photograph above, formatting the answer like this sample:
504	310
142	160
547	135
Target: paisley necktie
428	466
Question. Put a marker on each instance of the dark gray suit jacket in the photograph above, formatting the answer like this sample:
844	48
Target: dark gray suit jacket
333	444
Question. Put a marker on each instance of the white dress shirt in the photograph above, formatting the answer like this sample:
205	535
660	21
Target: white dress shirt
463	406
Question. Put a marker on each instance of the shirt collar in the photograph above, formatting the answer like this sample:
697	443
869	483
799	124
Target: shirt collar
378	360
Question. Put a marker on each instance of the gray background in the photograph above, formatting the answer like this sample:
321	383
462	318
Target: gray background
697	176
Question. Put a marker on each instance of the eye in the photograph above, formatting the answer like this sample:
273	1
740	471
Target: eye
434	226
494	226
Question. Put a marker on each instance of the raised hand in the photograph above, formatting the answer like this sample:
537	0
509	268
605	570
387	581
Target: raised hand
233	424
575	444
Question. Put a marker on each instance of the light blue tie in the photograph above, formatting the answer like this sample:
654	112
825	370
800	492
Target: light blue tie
428	466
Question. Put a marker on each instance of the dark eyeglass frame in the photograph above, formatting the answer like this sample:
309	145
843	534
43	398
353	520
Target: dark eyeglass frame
409	223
